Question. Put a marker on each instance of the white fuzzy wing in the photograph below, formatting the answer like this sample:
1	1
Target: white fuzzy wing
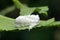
29	21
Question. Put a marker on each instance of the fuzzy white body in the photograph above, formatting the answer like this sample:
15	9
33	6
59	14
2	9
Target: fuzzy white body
28	20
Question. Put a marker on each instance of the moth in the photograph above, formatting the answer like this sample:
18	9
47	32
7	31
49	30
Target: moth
28	20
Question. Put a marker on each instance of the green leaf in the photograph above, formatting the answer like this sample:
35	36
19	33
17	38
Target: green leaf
46	23
24	10
18	4
7	10
56	24
43	10
6	23
27	11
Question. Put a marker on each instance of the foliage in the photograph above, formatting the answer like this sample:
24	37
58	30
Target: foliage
8	23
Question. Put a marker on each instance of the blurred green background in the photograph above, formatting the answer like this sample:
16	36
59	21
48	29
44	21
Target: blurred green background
34	34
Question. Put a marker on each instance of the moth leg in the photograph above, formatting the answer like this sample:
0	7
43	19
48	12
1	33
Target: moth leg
31	26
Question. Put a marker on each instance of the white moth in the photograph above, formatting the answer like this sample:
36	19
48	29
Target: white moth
27	20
